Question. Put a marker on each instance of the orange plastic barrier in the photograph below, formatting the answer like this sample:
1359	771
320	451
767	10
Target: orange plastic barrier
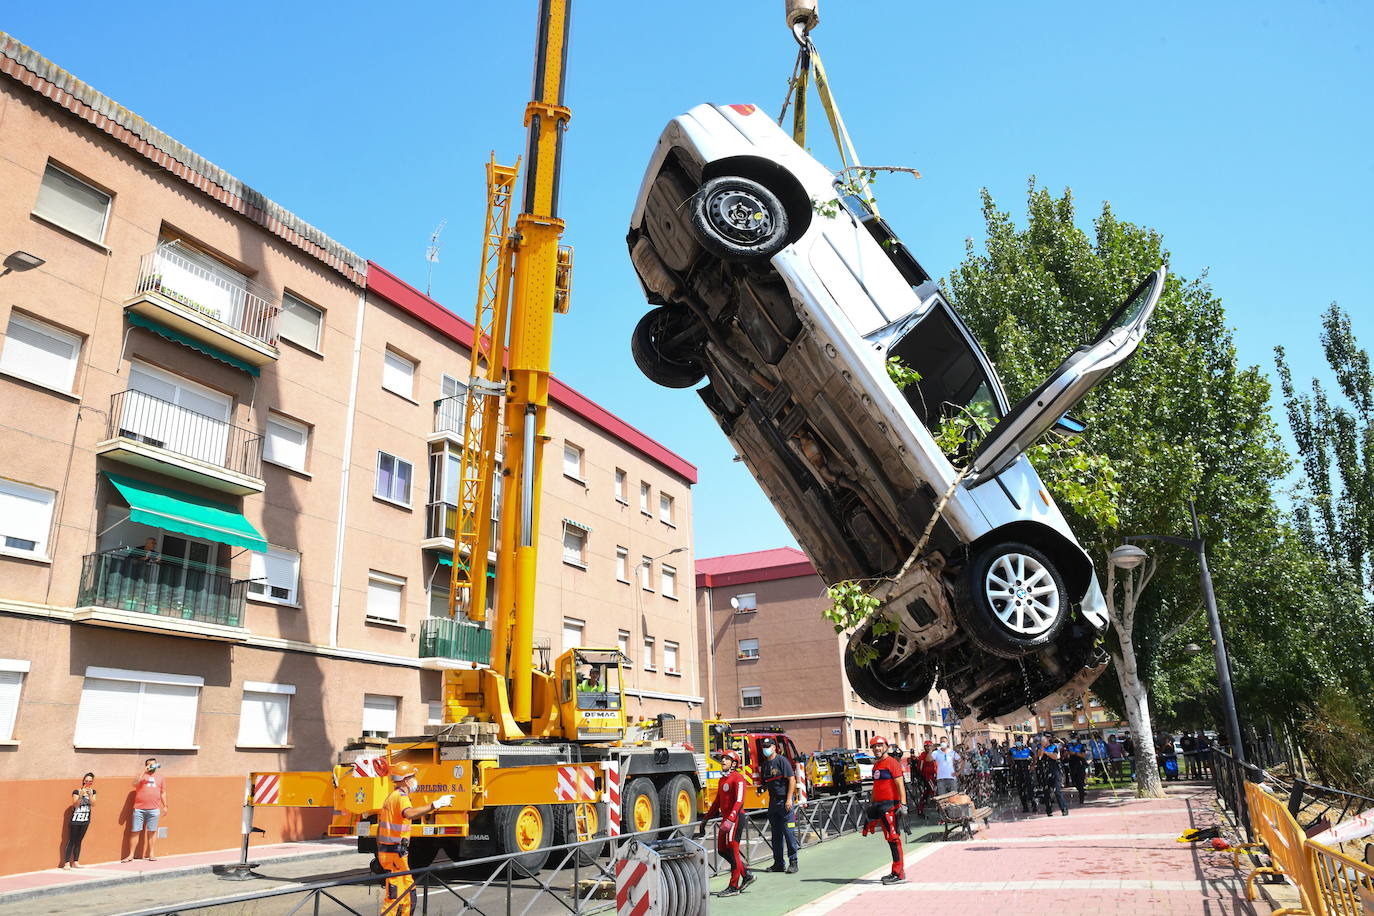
1345	886
1280	834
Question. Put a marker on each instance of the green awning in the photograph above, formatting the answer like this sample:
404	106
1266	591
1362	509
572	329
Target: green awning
177	337
172	510
446	559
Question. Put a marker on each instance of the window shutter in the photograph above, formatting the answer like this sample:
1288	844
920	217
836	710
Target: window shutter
10	684
572	633
379	714
72	204
107	713
284	442
25	517
572	461
40	353
384	598
263	719
167	716
398	374
299	322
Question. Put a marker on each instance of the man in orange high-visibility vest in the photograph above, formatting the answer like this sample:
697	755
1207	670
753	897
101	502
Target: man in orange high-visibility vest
393	838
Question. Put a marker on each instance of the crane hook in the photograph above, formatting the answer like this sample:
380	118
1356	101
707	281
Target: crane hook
802	17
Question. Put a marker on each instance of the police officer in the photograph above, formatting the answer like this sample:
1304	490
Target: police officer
1021	761
780	781
1078	765
1048	757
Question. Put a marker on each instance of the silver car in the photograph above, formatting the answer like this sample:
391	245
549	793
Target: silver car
788	296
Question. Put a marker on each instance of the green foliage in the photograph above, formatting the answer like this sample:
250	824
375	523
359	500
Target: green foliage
850	605
902	375
1336	734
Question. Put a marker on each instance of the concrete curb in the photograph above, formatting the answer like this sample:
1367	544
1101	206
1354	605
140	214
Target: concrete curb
95	884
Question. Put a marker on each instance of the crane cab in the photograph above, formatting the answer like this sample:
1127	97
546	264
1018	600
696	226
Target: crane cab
591	694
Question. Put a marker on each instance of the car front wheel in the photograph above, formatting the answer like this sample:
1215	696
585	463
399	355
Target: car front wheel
1014	600
739	220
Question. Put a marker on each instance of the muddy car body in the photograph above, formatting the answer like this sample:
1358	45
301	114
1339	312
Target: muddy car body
788	296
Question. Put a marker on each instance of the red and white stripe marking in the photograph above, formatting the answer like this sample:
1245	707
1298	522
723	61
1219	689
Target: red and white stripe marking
631	888
368	767
576	783
266	789
612	769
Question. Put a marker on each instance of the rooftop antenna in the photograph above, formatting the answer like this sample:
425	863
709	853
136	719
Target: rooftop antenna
432	253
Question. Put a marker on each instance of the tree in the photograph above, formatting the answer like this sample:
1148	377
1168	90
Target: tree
1181	418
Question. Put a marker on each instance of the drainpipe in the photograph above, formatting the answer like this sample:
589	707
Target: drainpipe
336	587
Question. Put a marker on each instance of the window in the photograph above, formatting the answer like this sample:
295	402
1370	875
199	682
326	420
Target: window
620	487
434	712
171	412
667	581
572	633
622	564
644	498
646	573
750	697
748	648
574	544
670	658
142	710
622	641
379	715
572	462
284	442
745	603
665	508
384	593
25	519
67	201
953	379
12	671
398	375
299	322
393	479
275	575
649	653
264	715
37	351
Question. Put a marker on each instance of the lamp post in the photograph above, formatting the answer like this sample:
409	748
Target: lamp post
1129	556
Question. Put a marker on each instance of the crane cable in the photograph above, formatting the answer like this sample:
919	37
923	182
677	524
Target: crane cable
802	17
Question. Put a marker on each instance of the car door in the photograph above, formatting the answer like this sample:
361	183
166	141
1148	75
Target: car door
1069	383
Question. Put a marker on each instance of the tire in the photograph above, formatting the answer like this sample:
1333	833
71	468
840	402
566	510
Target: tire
1012	600
527	829
739	220
422	852
658	350
639	806
677	806
902	687
566	817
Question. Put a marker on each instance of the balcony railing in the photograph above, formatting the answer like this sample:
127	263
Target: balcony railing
448	415
445	637
210	289
130	579
441	520
173	428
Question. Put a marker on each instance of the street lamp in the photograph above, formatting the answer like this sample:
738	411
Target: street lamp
1128	556
21	261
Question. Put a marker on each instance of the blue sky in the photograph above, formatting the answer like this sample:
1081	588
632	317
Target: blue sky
1242	132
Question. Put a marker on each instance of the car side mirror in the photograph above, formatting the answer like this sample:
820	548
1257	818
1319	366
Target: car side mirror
1069	425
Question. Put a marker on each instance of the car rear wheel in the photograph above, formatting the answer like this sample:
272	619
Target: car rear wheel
1014	600
739	220
664	346
902	685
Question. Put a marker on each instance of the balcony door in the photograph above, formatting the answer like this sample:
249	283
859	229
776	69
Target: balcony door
171	412
201	282
186	565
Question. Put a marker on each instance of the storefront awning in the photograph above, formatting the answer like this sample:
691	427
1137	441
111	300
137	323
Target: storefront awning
172	510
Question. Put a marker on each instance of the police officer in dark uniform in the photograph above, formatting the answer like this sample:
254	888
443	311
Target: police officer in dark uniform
1021	775
1047	764
1078	765
780	781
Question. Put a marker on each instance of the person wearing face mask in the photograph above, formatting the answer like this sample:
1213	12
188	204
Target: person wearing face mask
923	777
1078	765
729	805
1047	759
780	781
1021	758
150	803
393	837
945	761
889	801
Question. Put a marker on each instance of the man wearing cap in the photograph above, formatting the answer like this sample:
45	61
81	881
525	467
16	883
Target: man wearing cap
1021	759
1078	765
889	801
1047	762
780	781
728	805
393	838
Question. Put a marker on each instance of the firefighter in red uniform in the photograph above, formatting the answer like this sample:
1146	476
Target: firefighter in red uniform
729	806
889	801
393	838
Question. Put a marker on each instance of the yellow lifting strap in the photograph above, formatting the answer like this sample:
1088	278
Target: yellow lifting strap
802	17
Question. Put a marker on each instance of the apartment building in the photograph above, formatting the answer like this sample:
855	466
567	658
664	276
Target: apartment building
227	480
1085	714
769	657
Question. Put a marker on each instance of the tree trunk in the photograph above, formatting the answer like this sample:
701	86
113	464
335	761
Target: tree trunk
1147	783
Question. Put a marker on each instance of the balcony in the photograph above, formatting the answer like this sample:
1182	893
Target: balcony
441	521
160	436
448	418
444	639
126	589
196	296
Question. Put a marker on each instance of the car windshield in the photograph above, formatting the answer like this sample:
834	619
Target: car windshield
953	380
598	680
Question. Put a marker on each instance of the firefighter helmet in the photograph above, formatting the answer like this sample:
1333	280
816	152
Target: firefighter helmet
876	740
733	757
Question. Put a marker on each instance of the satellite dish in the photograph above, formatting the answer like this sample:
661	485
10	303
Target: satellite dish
734	602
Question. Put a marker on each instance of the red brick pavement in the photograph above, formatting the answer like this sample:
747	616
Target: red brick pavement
1115	854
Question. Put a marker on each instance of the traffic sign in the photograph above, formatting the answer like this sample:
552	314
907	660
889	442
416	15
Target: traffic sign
947	717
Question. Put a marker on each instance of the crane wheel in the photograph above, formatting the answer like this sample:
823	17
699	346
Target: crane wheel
526	832
639	806
678	805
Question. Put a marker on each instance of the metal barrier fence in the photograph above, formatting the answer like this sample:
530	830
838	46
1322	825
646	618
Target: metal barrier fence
574	880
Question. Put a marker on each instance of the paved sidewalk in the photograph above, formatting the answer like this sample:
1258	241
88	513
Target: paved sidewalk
1114	854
